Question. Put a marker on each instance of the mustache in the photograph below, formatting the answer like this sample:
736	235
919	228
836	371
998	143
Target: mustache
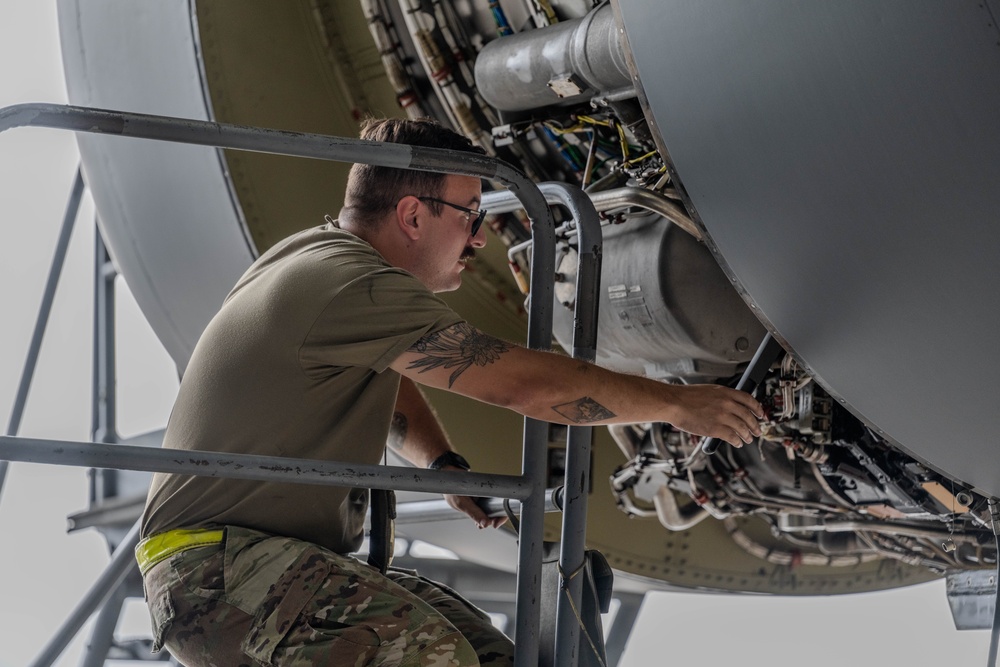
468	253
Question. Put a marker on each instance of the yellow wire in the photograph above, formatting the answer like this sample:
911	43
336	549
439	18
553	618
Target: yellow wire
639	159
623	141
593	121
563	130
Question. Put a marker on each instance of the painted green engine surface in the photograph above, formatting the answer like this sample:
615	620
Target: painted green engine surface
312	67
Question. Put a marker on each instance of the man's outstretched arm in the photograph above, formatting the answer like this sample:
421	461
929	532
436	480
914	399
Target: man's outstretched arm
554	388
416	435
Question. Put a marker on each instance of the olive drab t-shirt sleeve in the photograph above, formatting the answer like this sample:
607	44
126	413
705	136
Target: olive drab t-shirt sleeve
373	320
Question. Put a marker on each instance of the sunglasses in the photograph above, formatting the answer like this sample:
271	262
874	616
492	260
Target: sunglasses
474	216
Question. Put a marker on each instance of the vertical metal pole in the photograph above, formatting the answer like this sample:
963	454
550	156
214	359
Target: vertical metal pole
533	466
580	438
102	637
122	562
621	627
103	397
55	270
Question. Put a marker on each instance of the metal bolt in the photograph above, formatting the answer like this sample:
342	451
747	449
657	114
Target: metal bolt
742	344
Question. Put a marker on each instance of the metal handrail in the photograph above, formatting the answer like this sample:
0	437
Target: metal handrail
579	439
262	468
324	147
41	321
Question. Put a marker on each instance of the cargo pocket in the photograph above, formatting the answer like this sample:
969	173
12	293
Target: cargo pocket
289	591
161	608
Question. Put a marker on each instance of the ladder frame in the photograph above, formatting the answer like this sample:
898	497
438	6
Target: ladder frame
529	487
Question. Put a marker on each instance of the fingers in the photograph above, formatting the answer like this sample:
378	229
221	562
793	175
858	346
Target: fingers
748	413
742	423
469	507
751	403
721	412
747	401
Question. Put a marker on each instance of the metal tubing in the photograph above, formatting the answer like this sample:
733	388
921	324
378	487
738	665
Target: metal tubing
672	516
649	200
263	468
584	346
533	462
278	142
424	511
607	200
530	487
103	399
55	270
629	605
579	438
102	637
103	395
122	562
560	64
884	527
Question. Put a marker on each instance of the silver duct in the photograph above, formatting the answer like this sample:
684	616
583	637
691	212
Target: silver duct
567	62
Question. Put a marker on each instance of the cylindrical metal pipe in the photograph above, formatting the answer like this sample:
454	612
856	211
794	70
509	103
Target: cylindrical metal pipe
264	468
786	525
102	635
672	516
48	295
424	511
110	580
651	201
606	200
570	61
533	461
531	486
103	391
580	438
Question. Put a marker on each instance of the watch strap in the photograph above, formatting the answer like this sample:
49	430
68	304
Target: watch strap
449	459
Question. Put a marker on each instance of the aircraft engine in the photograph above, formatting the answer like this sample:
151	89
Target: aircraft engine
751	174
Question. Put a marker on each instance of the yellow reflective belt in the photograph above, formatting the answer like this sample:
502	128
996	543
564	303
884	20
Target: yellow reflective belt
161	546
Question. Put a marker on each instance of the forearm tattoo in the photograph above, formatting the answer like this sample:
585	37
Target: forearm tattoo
459	347
583	410
397	431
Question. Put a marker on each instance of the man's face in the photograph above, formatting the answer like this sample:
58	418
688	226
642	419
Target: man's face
447	243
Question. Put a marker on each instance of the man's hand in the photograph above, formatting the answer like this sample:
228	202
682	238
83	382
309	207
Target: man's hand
467	505
718	412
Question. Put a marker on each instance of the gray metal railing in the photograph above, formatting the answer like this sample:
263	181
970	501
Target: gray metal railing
579	438
44	310
528	487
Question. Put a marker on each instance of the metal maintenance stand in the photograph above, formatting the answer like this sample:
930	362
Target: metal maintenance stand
107	453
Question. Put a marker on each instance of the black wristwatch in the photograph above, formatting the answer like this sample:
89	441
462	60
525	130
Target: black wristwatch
450	459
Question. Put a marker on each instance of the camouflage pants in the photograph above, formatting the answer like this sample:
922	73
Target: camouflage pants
258	599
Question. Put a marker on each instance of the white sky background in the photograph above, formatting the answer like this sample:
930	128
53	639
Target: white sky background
44	571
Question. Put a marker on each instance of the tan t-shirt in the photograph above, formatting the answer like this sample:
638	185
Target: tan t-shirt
295	364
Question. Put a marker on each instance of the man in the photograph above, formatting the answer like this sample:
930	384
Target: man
315	354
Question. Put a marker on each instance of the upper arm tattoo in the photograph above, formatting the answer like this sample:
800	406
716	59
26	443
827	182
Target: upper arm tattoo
397	431
459	347
583	410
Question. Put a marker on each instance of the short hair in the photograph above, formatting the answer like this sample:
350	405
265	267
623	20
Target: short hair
372	192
